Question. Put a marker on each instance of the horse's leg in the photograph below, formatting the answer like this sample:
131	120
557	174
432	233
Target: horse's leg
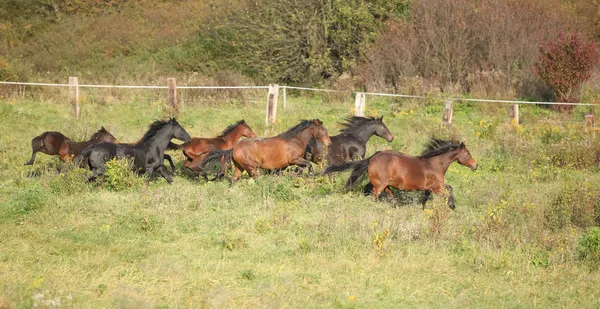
37	144
426	198
303	162
168	158
162	170
238	170
390	195
378	187
96	171
450	196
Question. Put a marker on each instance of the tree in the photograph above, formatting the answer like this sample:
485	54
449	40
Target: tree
565	63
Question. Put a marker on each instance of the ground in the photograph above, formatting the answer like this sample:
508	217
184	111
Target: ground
300	242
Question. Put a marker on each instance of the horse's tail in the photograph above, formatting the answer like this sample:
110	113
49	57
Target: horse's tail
173	146
359	169
83	156
217	159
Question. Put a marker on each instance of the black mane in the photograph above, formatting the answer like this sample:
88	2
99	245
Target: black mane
230	128
154	128
356	123
295	130
437	146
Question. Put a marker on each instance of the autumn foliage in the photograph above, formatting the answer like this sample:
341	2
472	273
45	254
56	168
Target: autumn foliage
565	63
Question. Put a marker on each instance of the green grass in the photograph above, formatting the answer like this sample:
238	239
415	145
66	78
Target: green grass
284	241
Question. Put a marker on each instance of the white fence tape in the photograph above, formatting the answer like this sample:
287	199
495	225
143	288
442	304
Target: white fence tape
298	88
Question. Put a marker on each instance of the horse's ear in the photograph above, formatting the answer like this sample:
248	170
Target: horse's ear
381	118
102	129
462	144
243	121
318	122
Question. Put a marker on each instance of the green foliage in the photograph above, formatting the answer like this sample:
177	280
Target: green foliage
120	175
29	199
589	246
575	204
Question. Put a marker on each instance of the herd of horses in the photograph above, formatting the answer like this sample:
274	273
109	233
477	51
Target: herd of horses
306	143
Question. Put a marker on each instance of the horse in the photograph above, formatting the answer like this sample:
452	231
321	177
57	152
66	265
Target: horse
403	172
270	153
351	143
147	153
196	150
55	143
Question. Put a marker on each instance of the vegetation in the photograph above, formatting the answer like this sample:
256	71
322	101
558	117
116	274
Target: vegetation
524	232
482	48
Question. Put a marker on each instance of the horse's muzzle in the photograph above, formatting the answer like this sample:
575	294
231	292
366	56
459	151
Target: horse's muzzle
474	167
390	138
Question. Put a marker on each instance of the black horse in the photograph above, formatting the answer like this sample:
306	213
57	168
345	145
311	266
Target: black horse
351	143
148	154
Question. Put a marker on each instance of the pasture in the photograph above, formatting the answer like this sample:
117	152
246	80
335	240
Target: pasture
514	239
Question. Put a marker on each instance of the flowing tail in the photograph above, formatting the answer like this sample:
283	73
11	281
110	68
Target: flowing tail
83	156
359	169
217	160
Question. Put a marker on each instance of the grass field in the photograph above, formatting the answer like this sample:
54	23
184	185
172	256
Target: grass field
299	242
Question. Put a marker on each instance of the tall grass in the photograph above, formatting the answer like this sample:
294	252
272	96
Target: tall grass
522	234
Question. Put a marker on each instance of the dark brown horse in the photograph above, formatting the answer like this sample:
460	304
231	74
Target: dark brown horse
270	153
196	150
403	172
351	143
55	143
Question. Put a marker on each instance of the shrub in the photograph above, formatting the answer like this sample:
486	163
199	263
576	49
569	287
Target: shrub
564	64
589	246
120	175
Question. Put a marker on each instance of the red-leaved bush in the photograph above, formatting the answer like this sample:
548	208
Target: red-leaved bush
565	63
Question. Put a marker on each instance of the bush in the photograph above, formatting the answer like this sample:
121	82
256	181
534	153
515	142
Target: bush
120	175
589	246
564	64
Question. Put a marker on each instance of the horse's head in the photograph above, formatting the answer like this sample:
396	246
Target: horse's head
103	136
320	132
464	157
179	132
246	130
382	131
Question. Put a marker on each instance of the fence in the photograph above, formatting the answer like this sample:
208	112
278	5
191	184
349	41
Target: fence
273	99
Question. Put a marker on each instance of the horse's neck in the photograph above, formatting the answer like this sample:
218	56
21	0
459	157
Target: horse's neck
363	135
232	138
160	140
441	163
304	136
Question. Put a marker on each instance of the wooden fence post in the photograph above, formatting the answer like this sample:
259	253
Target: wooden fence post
590	123
513	113
359	104
74	95
272	104
173	106
284	97
447	112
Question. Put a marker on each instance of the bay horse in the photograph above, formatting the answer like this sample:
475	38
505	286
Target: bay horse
403	172
270	153
196	150
351	143
55	143
147	153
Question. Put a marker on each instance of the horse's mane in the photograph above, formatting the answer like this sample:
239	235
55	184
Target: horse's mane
295	130
230	128
437	146
356	123
98	133
156	126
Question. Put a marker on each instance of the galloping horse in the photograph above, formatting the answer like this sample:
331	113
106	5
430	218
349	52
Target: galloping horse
271	153
395	169
197	149
351	143
147	154
55	143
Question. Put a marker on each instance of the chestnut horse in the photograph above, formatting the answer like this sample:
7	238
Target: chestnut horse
403	172
55	143
196	150
270	153
351	143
